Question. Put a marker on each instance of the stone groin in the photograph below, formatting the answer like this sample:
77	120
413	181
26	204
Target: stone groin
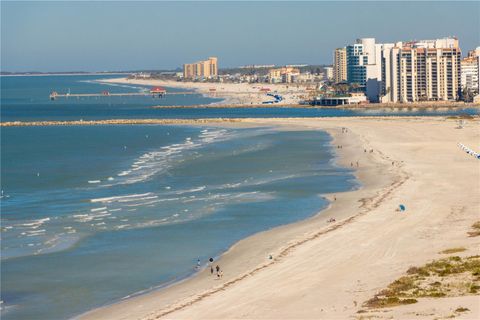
114	122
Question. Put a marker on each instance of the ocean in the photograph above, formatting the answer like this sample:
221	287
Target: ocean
92	214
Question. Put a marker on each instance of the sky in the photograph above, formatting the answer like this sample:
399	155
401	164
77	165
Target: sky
126	35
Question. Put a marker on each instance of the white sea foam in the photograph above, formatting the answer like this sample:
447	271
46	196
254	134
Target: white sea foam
156	162
34	233
94	181
98	209
34	223
201	188
117	198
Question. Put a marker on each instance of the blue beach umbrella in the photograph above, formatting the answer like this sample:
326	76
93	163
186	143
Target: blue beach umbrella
402	207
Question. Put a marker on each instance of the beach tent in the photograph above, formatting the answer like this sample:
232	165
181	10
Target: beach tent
401	207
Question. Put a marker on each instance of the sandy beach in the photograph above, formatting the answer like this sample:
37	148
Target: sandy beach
322	270
232	93
294	94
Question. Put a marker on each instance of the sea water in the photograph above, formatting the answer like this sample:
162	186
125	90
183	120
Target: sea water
93	214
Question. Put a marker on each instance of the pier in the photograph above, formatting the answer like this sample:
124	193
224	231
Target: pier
156	92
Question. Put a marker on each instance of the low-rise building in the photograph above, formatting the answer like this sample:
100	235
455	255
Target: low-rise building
328	73
351	98
284	75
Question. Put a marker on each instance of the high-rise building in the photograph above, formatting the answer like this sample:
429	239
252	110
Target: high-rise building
340	65
470	71
201	70
364	67
427	70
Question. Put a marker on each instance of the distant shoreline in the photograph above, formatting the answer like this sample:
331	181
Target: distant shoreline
62	74
249	95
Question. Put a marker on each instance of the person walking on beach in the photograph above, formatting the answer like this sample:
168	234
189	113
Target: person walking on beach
211	270
218	271
198	264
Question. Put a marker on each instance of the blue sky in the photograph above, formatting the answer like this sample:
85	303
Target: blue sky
97	36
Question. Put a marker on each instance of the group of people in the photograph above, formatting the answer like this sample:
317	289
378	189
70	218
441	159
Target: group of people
219	273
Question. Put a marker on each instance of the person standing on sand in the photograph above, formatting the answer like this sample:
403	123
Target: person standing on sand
211	270
218	270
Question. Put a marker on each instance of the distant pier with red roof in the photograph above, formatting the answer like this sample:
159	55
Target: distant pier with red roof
156	92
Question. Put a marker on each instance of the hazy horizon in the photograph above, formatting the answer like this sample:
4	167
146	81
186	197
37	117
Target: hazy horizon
112	36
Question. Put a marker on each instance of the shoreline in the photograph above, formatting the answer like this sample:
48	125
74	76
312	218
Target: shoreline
279	235
65	74
292	93
229	92
245	263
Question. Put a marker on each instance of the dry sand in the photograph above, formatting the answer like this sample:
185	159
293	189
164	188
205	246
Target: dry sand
326	270
232	93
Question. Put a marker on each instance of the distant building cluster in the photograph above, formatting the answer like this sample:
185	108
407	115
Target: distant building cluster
426	70
366	71
283	75
206	69
257	66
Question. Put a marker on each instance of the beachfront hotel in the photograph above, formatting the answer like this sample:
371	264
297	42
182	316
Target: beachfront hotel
470	71
364	66
426	70
340	65
206	69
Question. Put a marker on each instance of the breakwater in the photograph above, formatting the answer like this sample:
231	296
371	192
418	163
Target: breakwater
114	121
